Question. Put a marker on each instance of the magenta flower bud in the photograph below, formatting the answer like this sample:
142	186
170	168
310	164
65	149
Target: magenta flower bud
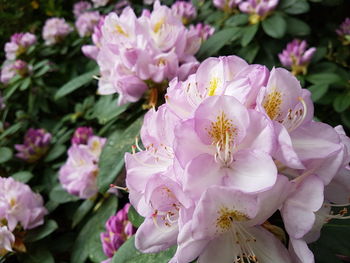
81	135
204	31
36	143
118	230
258	10
19	205
86	22
344	31
81	7
19	44
185	10
55	30
296	56
227	5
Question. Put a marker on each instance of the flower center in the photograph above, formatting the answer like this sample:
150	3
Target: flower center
227	217
120	30
158	25
213	85
222	132
272	104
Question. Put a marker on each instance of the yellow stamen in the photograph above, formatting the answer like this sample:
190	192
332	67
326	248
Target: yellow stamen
213	85
272	104
120	30
158	25
227	217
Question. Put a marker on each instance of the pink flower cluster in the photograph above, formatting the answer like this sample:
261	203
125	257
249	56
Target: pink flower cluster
80	8
20	208
344	31
91	51
203	31
260	8
226	5
118	230
136	52
186	11
19	44
232	145
11	68
55	30
78	176
296	56
86	22
36	143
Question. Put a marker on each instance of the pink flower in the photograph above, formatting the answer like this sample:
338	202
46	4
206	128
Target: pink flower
79	174
36	143
6	240
147	51
86	22
11	68
19	205
258	10
55	30
184	10
82	135
118	230
91	51
81	7
204	31
99	3
226	5
344	31
19	44
296	56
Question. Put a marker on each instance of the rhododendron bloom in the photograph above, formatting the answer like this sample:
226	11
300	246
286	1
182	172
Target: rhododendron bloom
118	230
138	53
19	44
91	51
344	31
258	9
185	10
227	5
19	205
79	174
36	143
6	240
80	8
12	68
81	135
55	30
86	22
296	56
204	31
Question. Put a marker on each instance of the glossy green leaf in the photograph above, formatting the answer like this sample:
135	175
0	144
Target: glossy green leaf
275	26
59	195
299	7
76	83
55	152
217	41
248	34
41	232
5	154
237	20
134	217
92	229
324	78
297	27
126	252
82	211
341	102
318	90
23	176
112	157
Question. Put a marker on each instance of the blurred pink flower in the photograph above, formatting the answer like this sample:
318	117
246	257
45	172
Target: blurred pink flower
18	45
86	22
55	30
80	8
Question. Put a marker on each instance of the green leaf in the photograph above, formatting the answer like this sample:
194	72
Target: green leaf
134	217
5	154
248	34
23	176
55	152
217	41
299	7
107	108
96	254
275	26
76	83
127	253
37	255
112	156
82	211
297	27
318	90
319	54
9	131
59	195
92	229
25	83
41	231
237	20
249	52
324	78
341	102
